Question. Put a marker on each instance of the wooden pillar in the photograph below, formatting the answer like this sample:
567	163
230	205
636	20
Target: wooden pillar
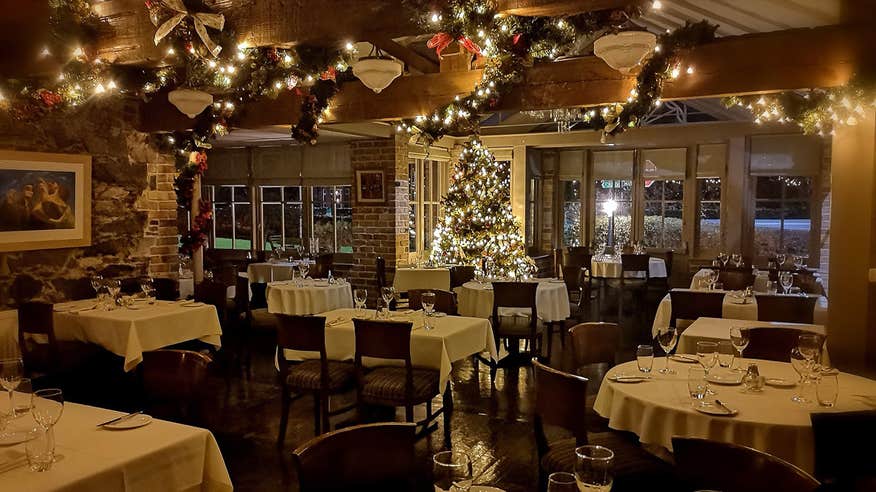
518	185
198	254
852	310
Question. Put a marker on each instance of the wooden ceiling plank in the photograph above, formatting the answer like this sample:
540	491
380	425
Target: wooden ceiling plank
560	7
411	58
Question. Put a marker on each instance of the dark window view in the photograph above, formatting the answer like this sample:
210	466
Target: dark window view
663	208
782	216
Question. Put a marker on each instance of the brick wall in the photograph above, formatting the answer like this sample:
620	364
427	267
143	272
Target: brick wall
380	229
824	240
134	228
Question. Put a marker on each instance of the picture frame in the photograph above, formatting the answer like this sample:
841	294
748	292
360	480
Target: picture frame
371	186
45	201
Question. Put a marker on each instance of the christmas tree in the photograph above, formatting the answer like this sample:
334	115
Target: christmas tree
478	225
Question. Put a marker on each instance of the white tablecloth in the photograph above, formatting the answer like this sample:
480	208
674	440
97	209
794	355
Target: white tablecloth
421	278
186	287
700	280
731	310
611	268
718	329
128	333
271	272
452	338
769	421
313	297
160	456
551	300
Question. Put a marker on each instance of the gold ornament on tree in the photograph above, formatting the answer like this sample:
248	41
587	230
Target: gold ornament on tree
200	20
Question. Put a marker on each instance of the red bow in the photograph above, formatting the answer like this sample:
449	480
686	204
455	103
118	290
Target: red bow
442	40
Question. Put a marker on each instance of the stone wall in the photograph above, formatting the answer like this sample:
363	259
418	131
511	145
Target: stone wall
380	229
134	217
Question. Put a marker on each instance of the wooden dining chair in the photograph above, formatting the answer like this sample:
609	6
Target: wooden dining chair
772	343
396	386
362	457
561	401
445	301
579	285
688	305
259	319
213	292
166	289
174	382
714	465
323	265
839	464
460	274
595	343
579	256
513	329
736	279
321	377
635	272
788	309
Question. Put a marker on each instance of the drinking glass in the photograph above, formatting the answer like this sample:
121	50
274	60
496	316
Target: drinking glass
724	257
21	397
11	371
451	471
799	261
780	260
97	283
428	301
736	258
593	468
667	337
562	482
696	384
726	354
388	294
739	337
114	287
707	354
772	287
40	449
360	296
787	280
47	405
800	365
645	358
303	268
713	278
147	285
827	389
809	345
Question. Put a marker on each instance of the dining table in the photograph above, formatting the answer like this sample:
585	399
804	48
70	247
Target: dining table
310	296
141	327
271	271
718	329
660	407
733	307
602	266
410	278
161	455
447	340
475	299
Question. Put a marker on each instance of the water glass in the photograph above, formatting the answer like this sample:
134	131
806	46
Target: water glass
772	287
645	358
97	283
11	371
696	383
22	396
593	468
388	294
740	337
47	405
667	337
40	449
360	296
562	482
451	471
787	280
827	389
726	353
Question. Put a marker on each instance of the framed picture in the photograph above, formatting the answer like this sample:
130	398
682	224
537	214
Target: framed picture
45	201
370	186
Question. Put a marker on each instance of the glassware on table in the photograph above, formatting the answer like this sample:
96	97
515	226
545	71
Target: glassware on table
707	355
726	354
801	366
787	280
714	275
562	482
360	297
645	358
40	449
113	286
724	257
772	287
97	282
696	384
451	471
736	258
799	261
11	372
428	301
47	405
147	285
387	294
593	468
740	337
303	268
780	260
667	337
827	388
22	397
809	345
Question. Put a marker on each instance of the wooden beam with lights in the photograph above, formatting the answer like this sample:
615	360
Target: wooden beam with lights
776	61
560	7
411	58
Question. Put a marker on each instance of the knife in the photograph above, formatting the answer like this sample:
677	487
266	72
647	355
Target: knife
725	407
119	419
686	357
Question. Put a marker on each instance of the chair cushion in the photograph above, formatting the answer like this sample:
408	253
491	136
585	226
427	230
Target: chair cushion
307	375
387	385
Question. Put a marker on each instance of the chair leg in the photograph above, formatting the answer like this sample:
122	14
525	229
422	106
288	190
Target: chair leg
284	416
447	409
326	423
316	414
550	343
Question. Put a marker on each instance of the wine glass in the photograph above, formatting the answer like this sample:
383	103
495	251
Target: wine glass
11	371
360	296
667	337
451	471
562	482
428	301
809	345
714	275
723	257
47	405
645	358
739	337
726	354
147	285
97	283
303	268
388	294
593	468
787	280
799	261
780	260
114	287
707	354
736	258
800	365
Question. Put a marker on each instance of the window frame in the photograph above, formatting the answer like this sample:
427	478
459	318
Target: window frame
418	200
813	254
283	202
210	191
312	217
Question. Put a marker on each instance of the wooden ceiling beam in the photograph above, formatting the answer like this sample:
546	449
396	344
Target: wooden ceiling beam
560	7
411	58
755	63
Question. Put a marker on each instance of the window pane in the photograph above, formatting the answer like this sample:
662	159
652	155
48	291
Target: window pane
323	218
241	193
672	224
673	189
223	193
412	228
710	188
271	193
710	226
571	213
653	230
622	222
796	187
292	215
272	224
292	193
427	227
243	226
769	187
427	182
768	227
344	210
412	181
653	190
224	224
436	194
571	191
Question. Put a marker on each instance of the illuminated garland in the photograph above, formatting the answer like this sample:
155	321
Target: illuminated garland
195	238
816	111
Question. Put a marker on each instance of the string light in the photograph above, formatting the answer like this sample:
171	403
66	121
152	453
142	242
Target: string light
656	5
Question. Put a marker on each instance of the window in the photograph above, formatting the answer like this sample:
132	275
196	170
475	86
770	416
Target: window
571	196
332	219
613	185
663	208
427	183
282	224
532	209
709	221
232	216
782	215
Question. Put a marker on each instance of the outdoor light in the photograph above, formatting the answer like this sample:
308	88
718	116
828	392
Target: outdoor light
609	207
